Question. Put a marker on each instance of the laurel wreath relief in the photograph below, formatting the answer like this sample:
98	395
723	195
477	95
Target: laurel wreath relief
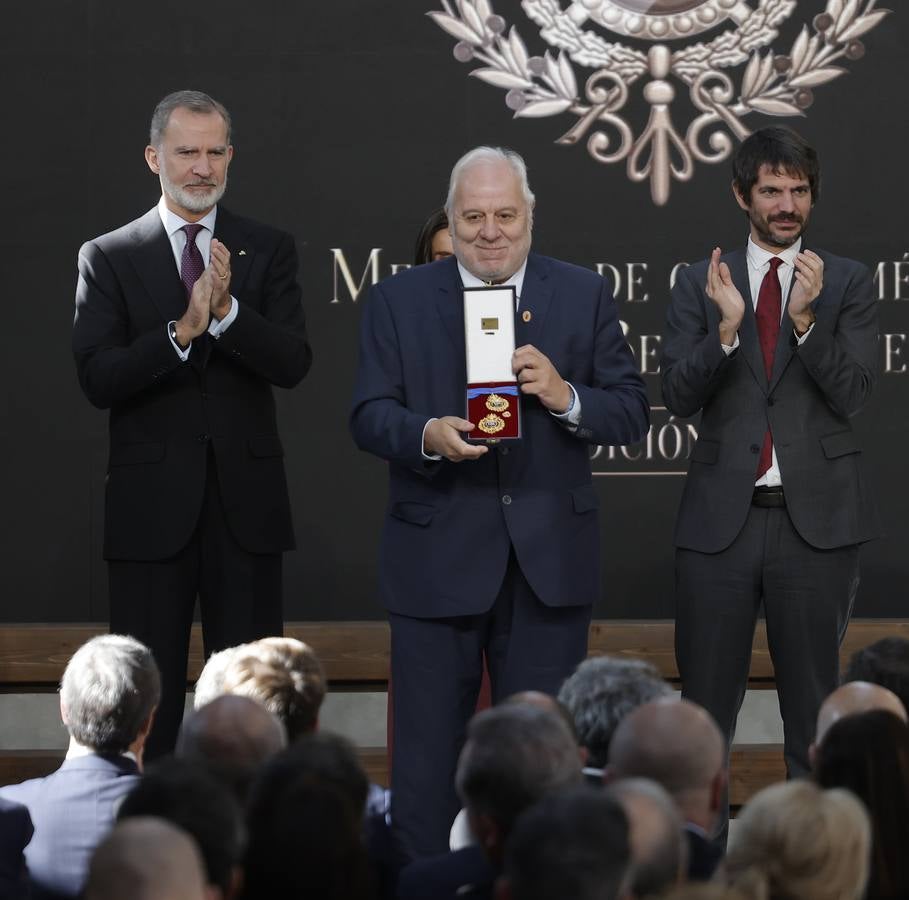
772	83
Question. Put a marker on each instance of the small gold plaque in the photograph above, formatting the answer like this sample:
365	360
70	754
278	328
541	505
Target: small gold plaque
490	323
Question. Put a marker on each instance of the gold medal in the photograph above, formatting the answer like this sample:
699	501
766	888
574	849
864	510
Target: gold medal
496	403
491	424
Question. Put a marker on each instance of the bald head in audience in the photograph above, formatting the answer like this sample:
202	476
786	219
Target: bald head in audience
659	853
146	859
856	697
232	737
677	744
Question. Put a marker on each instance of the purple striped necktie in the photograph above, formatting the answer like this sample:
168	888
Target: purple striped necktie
191	264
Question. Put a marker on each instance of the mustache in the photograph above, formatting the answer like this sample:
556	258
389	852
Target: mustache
786	217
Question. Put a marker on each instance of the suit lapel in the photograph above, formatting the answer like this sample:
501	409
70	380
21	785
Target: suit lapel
153	259
450	305
536	298
784	347
750	345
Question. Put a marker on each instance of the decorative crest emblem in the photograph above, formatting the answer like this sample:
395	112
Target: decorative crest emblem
773	82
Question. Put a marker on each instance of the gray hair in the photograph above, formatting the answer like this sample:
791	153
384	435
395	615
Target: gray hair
659	849
601	692
514	755
194	101
211	679
109	689
489	154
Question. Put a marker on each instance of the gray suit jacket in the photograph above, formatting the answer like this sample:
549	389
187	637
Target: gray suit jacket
813	391
72	809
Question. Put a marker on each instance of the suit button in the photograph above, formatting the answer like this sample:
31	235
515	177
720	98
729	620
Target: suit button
203	438
770	401
755	448
503	451
507	499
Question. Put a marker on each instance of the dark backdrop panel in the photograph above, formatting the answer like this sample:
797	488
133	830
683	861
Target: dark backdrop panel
348	116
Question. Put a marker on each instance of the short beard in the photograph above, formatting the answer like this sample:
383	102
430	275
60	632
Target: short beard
774	241
194	203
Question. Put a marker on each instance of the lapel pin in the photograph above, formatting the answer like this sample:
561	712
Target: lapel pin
527	315
241	253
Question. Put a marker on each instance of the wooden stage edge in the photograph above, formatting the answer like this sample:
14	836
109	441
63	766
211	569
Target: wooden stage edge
33	656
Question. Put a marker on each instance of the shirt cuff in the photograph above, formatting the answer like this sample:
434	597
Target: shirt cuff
800	338
217	327
729	350
428	456
183	354
572	415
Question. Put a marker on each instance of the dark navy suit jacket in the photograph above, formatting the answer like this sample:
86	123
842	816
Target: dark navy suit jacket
166	415
72	809
15	832
449	526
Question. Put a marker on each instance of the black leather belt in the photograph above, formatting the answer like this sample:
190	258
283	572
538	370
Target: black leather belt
768	497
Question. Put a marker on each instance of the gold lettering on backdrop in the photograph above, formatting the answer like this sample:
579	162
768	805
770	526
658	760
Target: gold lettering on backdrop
340	267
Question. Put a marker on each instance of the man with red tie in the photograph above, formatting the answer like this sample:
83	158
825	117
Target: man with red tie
776	346
185	319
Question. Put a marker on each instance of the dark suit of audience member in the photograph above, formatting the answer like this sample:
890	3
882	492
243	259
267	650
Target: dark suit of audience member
485	550
776	345
108	696
15	832
185	319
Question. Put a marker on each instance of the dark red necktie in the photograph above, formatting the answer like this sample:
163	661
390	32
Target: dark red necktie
191	265
767	314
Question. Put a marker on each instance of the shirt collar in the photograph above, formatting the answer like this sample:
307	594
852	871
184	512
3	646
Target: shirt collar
79	751
173	223
470	280
758	257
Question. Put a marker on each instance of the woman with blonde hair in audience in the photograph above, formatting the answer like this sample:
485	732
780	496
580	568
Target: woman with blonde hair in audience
795	841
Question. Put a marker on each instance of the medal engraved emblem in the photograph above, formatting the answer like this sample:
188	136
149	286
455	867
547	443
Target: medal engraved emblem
775	81
491	424
496	403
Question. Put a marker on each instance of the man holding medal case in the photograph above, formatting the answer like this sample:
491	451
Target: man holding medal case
490	547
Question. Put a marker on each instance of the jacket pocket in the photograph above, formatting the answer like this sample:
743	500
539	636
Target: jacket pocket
839	444
413	512
584	498
705	451
265	445
137	453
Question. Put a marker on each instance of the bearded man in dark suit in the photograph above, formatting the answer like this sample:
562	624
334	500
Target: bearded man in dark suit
185	319
776	346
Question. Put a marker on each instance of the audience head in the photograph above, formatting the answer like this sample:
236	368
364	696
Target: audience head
231	737
434	241
305	820
146	859
211	679
285	676
659	850
855	697
885	662
794	840
109	693
187	796
572	843
514	755
677	744
868	753
601	692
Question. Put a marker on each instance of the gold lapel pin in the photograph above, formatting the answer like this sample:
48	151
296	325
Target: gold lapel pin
527	315
241	253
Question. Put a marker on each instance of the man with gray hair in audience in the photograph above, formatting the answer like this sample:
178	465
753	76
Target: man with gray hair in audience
677	744
108	697
515	754
599	694
659	855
